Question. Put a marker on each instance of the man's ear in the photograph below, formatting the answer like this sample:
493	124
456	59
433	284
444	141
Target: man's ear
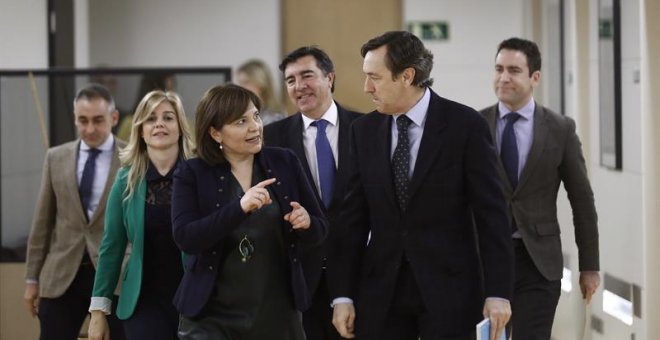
331	78
535	78
408	76
114	116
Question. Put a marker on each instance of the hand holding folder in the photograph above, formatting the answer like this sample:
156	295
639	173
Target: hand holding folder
483	331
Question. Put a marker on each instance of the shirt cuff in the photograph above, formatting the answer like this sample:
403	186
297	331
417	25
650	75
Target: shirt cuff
101	303
497	299
340	300
32	281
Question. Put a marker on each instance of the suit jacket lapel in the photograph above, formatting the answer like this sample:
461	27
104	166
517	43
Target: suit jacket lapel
70	162
491	117
383	161
431	143
114	165
538	144
342	152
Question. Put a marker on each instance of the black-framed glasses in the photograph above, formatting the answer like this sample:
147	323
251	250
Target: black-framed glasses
246	248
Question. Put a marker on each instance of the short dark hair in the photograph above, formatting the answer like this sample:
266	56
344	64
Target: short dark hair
323	61
95	91
219	105
404	50
528	48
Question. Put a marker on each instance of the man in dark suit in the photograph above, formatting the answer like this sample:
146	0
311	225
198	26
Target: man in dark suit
63	247
539	150
422	183
309	75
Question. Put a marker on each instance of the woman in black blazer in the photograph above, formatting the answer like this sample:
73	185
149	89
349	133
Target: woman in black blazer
246	216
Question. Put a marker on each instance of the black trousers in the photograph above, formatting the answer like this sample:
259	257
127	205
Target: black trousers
154	318
534	300
407	318
317	320
61	318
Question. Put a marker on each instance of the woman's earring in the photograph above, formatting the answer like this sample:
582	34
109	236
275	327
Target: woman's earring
220	146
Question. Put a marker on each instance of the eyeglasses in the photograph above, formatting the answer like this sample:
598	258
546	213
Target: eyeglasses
246	248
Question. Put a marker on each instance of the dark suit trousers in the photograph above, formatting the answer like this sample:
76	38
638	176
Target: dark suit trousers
535	298
407	318
317	320
61	318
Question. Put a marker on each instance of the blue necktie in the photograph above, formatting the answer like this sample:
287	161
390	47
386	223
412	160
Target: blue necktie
87	179
401	161
325	161
509	149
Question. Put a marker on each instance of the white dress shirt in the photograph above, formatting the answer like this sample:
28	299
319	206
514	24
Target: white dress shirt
102	169
309	140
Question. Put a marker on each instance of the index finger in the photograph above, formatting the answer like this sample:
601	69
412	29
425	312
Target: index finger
265	183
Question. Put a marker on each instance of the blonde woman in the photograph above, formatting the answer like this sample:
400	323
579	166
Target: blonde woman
138	212
254	75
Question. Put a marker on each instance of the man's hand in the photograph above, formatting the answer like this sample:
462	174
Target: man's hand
589	282
31	297
343	317
499	313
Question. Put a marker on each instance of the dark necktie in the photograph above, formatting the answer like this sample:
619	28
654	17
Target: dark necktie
325	161
401	161
509	149
87	179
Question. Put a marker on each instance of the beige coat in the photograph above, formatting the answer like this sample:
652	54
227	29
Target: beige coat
60	232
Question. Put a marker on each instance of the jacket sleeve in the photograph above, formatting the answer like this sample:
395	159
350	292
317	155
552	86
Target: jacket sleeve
113	244
485	196
573	173
42	224
195	230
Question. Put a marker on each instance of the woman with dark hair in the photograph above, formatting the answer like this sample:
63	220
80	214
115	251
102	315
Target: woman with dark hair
138	213
247	216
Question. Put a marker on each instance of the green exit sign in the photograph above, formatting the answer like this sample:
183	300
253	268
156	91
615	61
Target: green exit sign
430	30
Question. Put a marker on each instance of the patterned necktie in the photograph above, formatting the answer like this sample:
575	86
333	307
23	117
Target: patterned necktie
401	161
87	179
325	161
509	149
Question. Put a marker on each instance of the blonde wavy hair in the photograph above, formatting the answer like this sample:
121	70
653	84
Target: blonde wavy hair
134	155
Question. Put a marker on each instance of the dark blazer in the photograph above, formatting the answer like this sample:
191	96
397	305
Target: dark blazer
204	214
456	211
555	157
287	133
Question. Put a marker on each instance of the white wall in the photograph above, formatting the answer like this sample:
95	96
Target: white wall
152	33
23	45
464	65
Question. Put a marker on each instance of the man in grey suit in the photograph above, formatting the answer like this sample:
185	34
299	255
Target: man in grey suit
68	221
538	150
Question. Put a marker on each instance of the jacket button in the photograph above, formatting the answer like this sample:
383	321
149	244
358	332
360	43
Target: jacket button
210	267
293	245
214	252
286	197
279	183
295	260
269	170
222	178
220	190
217	205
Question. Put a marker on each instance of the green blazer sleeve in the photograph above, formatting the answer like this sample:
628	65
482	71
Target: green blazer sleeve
113	245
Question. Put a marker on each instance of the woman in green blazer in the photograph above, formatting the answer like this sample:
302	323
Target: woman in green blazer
138	213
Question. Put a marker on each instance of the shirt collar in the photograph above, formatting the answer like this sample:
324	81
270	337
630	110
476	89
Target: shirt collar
417	113
330	115
526	111
106	146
